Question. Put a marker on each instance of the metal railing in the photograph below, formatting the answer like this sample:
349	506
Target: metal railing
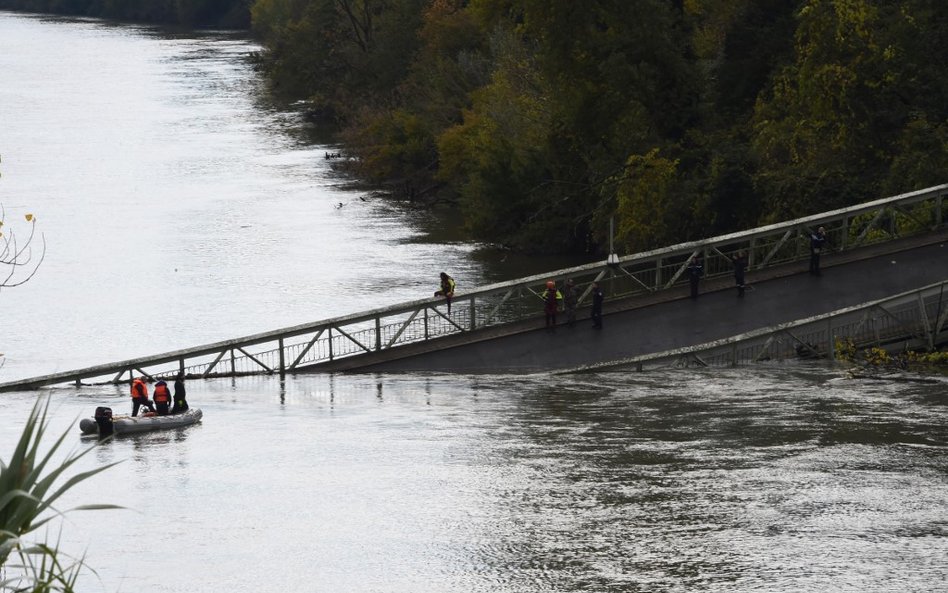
290	349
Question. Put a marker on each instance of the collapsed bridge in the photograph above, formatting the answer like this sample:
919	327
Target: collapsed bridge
886	262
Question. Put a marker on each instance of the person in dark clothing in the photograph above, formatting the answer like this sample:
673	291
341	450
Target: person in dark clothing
569	301
140	396
551	303
180	403
162	397
739	260
817	240
447	289
597	298
695	272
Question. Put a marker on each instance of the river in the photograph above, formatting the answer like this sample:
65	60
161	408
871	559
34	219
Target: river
180	206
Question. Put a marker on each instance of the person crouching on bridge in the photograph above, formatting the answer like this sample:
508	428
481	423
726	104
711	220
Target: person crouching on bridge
162	397
140	396
551	303
447	289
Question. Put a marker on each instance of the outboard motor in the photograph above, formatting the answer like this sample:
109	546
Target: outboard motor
103	417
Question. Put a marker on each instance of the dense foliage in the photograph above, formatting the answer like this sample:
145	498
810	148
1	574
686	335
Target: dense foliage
187	13
543	119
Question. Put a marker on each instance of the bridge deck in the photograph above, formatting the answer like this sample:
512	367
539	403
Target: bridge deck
670	320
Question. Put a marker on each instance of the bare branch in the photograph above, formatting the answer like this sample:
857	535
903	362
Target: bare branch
359	13
17	265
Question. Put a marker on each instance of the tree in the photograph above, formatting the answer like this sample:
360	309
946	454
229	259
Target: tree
575	91
862	94
342	55
398	145
643	201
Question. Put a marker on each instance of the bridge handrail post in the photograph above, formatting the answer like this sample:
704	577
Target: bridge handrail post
329	341
378	333
473	310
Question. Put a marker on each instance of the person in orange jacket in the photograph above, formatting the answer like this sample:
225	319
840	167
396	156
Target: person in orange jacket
140	396
162	397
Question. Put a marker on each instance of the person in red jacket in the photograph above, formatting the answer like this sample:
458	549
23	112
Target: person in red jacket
162	397
140	396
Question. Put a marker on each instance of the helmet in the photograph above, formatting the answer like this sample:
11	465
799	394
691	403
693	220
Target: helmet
550	284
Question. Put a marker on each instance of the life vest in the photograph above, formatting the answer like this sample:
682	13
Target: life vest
162	395
139	389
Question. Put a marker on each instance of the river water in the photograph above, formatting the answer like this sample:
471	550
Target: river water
181	206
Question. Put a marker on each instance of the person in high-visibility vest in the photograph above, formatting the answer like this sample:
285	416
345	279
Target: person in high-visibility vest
551	303
447	289
140	396
162	397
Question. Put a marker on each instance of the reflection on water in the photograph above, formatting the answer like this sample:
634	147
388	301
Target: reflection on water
767	479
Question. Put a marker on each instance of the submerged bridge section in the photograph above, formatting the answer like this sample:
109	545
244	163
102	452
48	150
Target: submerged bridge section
876	250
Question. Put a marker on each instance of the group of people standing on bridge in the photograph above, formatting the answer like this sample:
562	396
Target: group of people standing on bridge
553	300
566	301
164	402
695	269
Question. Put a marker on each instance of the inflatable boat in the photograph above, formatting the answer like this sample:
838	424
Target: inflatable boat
105	424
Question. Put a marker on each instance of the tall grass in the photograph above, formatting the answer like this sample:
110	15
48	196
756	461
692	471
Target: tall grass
30	484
